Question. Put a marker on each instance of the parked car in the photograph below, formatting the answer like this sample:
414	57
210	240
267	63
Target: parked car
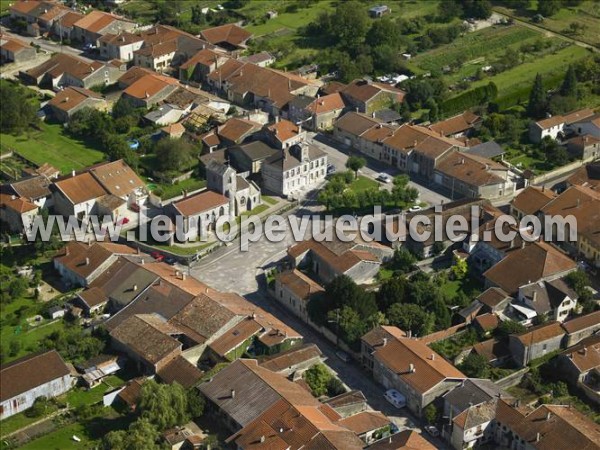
331	169
157	256
395	398
433	431
170	260
414	208
343	356
384	178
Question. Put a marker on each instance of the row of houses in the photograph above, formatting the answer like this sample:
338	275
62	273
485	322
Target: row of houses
110	188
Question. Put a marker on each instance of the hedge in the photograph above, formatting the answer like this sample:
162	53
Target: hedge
469	99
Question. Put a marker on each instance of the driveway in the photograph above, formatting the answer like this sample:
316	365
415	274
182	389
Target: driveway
337	154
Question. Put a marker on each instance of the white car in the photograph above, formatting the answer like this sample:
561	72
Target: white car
414	208
433	431
384	178
395	398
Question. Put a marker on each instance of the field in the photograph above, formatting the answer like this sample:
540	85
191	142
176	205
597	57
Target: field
481	45
518	80
51	145
587	14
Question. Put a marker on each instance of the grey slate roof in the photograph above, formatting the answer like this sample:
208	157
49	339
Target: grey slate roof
488	149
472	391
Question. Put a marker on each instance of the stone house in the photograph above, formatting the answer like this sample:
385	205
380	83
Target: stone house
328	260
580	364
536	342
294	290
316	114
551	299
200	213
368	96
294	169
581	327
77	195
150	89
416	371
120	46
461	125
556	125
96	24
17	213
42	374
70	100
15	50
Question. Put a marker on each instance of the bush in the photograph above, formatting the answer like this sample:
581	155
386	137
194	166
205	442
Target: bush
318	378
40	407
335	387
469	99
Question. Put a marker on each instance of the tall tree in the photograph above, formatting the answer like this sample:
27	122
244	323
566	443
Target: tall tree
410	317
164	405
548	8
141	434
355	163
17	110
350	25
536	108
569	85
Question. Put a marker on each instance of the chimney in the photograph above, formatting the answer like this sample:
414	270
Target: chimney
538	437
183	276
433	356
409	334
142	262
384	343
73	172
512	243
232	393
534	296
411	368
139	252
67	251
135	288
523	244
262	438
373	114
66	99
578	202
548	415
584	351
543	187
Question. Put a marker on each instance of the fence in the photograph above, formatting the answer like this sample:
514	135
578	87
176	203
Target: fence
559	171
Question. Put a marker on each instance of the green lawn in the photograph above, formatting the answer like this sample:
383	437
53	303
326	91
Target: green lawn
363	183
169	191
482	45
286	20
269	200
52	145
15	423
62	439
470	286
587	14
517	81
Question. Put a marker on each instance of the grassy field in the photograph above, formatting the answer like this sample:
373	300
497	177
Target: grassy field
52	145
284	20
482	45
587	14
519	79
362	184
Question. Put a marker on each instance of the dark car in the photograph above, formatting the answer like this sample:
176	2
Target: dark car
331	169
170	260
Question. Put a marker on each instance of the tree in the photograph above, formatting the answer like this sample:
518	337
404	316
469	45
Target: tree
475	366
477	9
175	155
441	313
343	291
392	290
410	317
554	152
14	347
510	327
569	85
197	17
18	287
355	163
448	10
434	110
317	378
349	24
124	108
460	268
383	32
431	414
351	325
141	434
335	387
196	403
164	405
17	110
403	260
537	105
548	8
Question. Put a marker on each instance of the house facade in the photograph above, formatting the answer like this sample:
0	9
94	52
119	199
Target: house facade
26	379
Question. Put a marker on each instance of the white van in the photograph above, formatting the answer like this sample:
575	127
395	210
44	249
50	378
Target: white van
395	398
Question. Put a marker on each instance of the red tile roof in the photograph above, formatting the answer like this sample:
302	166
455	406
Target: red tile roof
229	33
199	203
